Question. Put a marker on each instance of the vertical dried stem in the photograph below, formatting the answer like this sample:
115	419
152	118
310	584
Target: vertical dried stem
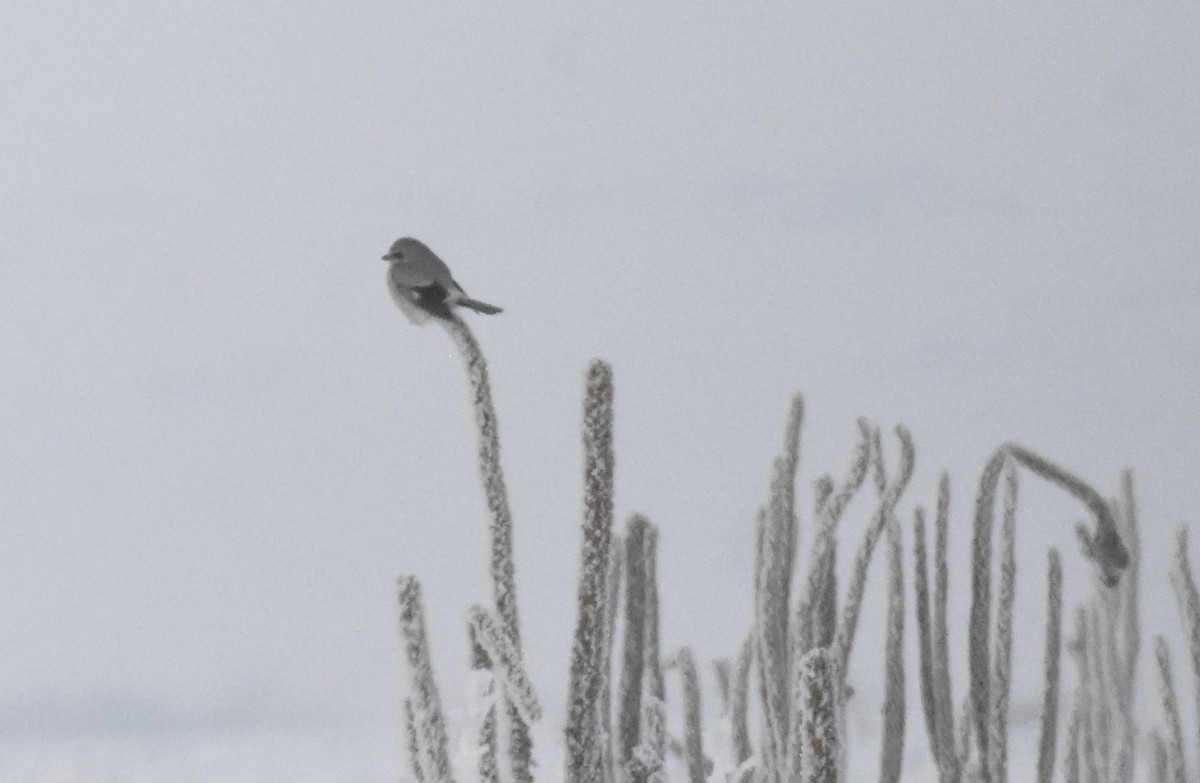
892	752
629	698
1049	733
846	630
1189	607
1170	705
504	586
583	752
816	713
424	705
1002	668
693	728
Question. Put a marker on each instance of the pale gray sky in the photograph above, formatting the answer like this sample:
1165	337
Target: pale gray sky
220	442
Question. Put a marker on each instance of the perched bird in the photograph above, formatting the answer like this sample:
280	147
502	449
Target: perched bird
421	283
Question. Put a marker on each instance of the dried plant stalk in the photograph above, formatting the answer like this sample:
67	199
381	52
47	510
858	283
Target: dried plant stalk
1170	707
502	566
507	667
629	694
1189	606
1002	668
693	727
816	614
892	750
891	495
423	706
583	749
1049	730
816	713
739	701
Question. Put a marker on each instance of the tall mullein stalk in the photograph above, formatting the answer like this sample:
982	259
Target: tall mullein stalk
816	613
892	750
506	664
816	695
925	643
844	642
981	608
504	586
423	707
739	701
655	686
772	739
940	642
776	558
1189	606
1087	697
413	743
1102	706
489	769
932	644
1124	629
1047	745
1170	707
1071	744
1002	666
693	746
647	762
616	561
1103	545
583	748
629	692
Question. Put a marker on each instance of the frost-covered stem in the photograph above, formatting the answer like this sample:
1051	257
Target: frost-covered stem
981	607
1166	690
655	686
507	667
583	747
775	560
1086	698
739	701
1049	734
616	565
1126	624
816	691
693	727
816	614
424	703
1002	667
646	765
892	751
1105	545
924	643
942	693
1102	705
878	471
489	742
849	624
629	693
1071	746
775	575
504	586
772	737
1189	606
412	742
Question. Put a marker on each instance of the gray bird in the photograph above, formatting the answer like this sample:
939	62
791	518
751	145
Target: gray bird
421	283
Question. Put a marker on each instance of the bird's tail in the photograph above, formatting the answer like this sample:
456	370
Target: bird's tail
478	306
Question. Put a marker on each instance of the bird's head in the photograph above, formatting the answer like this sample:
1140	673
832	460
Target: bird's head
403	246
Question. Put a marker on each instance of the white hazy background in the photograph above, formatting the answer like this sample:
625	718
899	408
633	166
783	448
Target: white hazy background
220	442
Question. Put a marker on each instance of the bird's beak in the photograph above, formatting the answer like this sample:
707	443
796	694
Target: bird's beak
388	257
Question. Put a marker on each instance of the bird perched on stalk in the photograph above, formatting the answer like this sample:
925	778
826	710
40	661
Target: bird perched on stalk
421	284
